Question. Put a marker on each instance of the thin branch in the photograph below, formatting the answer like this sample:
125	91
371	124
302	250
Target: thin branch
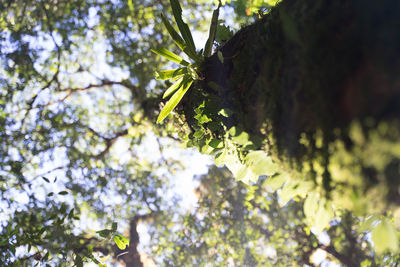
47	85
55	76
47	172
109	143
71	91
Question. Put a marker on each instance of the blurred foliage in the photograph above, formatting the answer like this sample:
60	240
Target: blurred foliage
245	225
77	101
80	152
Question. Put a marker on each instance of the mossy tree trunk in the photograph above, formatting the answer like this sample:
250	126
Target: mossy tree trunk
300	77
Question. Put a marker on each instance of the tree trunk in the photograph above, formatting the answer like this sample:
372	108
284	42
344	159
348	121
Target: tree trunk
305	74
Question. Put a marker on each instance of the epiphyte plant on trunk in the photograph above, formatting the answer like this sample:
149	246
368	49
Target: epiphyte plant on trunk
185	75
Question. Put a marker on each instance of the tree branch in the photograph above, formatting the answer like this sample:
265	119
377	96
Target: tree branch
109	142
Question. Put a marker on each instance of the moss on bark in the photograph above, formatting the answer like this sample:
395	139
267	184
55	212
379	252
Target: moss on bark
315	80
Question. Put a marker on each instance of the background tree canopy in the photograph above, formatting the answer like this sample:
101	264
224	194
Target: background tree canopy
301	105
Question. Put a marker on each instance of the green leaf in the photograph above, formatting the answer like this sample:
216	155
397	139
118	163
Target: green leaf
245	175
121	241
78	261
323	216
215	143
114	226
63	193
175	99
183	27
173	88
46	257
198	134
63	208
238	169
368	224
192	72
206	149
384	237
220	159
226	112
170	74
179	41
47	180
275	182
212	32
202	118
71	214
292	189
311	206
104	233
272	2
223	34
260	163
220	57
174	34
238	136
171	56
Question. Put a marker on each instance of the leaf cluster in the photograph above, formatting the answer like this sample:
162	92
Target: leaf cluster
185	76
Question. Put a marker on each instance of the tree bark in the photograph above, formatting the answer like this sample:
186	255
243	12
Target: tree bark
310	68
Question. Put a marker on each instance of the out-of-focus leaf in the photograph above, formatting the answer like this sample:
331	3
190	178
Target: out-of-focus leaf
219	159
260	163
215	143
104	233
275	182
78	261
46	256
220	57
384	237
323	216
63	208
245	175
294	188
71	214
239	136
121	241
311	205
368	224
272	2
225	112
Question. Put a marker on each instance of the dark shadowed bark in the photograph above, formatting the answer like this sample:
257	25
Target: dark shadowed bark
309	70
